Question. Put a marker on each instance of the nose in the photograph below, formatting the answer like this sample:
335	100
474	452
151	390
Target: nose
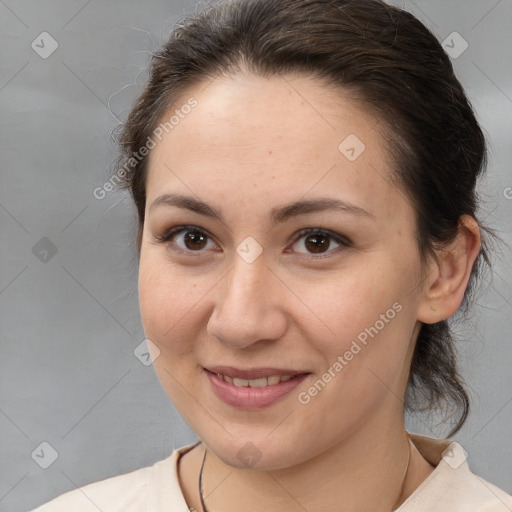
248	307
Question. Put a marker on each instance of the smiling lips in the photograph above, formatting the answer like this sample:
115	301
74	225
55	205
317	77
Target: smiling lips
255	378
252	389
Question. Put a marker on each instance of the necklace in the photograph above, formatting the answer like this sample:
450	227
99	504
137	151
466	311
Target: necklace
201	494
203	506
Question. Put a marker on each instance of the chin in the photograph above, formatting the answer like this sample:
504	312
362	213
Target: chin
256	452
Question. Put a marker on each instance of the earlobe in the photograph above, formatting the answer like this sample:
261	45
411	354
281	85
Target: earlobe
449	273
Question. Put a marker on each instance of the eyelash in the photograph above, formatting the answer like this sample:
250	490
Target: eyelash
166	237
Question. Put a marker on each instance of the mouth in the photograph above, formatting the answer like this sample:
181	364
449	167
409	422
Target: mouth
262	382
254	378
254	388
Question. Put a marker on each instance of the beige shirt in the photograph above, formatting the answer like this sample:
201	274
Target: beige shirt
451	487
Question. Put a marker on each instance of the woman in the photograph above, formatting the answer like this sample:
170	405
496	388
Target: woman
304	174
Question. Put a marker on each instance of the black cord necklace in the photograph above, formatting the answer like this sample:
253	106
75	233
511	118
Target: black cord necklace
201	482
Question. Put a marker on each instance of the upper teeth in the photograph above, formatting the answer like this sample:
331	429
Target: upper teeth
255	383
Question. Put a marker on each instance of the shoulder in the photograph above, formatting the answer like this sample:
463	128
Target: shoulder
121	491
452	483
137	491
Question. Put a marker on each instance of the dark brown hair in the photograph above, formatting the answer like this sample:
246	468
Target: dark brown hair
393	64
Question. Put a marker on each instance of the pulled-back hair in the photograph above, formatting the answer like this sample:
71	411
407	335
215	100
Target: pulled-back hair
392	64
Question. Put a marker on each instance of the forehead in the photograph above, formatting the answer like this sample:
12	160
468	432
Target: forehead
273	140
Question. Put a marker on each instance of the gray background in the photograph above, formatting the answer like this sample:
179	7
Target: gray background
70	321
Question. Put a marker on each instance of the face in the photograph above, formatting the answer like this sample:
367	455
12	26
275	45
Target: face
275	243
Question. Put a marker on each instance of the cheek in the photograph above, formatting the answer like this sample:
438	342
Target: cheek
153	299
168	305
366	316
343	304
364	365
169	302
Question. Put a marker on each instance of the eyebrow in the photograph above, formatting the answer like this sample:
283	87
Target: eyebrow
277	215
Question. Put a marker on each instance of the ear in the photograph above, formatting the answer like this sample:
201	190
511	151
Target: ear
449	273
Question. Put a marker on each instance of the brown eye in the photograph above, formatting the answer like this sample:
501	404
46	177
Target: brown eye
195	240
319	241
186	239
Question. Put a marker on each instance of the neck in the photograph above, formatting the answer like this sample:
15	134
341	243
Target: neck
365	472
